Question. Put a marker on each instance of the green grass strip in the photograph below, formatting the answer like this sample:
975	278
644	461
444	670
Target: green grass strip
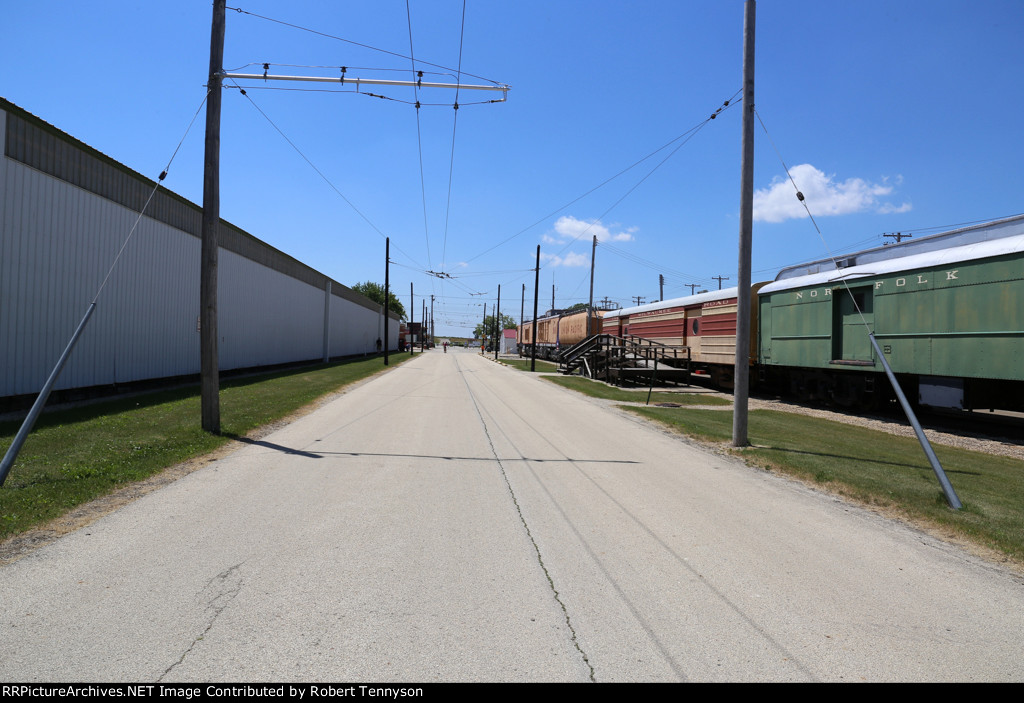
524	365
78	454
876	468
597	389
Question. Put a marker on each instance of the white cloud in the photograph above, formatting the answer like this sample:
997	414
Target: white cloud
570	259
570	228
889	209
824	196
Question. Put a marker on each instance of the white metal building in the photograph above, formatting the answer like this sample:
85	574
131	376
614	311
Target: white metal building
65	210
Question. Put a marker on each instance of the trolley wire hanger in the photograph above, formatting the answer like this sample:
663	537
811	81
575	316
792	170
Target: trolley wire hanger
344	79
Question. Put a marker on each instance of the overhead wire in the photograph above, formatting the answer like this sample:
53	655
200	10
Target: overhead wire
367	94
349	41
455	124
382	69
586	277
419	136
160	179
12	451
630	191
947	488
656	266
685	135
319	172
943	228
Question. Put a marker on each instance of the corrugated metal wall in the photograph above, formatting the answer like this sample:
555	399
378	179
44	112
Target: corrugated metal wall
64	215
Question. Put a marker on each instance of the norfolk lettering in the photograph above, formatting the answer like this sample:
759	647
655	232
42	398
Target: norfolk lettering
911	280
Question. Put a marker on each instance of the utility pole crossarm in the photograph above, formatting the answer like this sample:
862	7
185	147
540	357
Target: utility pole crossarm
363	81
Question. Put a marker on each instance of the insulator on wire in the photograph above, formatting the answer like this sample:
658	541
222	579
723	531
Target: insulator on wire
799	196
163	175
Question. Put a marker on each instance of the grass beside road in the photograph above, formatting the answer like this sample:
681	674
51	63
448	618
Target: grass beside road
872	467
524	365
597	389
878	469
78	454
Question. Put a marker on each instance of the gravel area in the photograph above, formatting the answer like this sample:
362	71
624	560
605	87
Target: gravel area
973	441
966	440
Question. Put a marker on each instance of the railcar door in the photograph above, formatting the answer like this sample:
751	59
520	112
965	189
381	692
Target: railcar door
849	336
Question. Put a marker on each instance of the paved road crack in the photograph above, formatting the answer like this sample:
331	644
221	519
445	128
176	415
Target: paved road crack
217	594
529	534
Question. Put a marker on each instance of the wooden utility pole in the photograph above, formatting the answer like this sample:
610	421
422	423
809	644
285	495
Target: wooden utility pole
498	332
387	294
723	278
536	292
741	378
899	236
661	287
590	305
209	368
522	306
412	314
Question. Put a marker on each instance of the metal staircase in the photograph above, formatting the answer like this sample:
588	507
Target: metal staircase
618	359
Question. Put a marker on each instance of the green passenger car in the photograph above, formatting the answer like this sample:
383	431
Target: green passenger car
946	310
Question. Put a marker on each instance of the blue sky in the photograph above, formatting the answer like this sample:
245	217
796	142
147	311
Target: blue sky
893	116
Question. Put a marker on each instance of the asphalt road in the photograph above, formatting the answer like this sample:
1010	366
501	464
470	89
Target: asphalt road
456	520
